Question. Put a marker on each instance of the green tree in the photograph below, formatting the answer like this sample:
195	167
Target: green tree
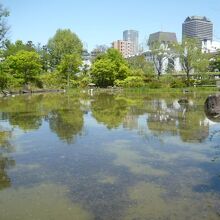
3	25
69	66
191	57
13	48
64	42
159	54
45	57
109	67
141	67
24	66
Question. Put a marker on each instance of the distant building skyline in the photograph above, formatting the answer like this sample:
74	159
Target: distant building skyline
198	27
100	22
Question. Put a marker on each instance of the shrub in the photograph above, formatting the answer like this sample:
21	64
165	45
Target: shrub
130	81
155	84
177	83
85	81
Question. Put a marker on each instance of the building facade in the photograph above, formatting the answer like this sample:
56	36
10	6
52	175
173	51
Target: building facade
165	38
210	46
132	36
198	27
125	47
169	60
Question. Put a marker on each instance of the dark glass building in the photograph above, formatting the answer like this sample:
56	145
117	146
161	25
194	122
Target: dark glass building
198	27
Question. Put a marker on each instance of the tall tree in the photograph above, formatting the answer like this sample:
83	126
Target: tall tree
3	25
140	64
159	54
64	42
69	66
191	56
13	48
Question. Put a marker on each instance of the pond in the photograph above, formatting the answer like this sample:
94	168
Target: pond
126	156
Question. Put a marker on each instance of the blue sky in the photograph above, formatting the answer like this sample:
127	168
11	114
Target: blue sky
103	21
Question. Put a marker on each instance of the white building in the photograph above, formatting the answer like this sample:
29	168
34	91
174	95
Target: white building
210	46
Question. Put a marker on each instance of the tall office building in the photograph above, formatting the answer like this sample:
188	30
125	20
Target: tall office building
132	36
198	27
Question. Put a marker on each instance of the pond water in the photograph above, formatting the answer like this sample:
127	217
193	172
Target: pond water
108	156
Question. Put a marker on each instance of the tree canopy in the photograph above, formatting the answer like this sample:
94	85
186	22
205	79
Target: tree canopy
24	65
109	67
191	56
62	43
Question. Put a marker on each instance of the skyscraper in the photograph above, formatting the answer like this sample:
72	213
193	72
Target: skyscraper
198	27
132	36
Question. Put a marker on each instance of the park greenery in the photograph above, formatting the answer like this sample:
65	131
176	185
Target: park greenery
59	64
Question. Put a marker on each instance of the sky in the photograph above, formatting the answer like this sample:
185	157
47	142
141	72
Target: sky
99	22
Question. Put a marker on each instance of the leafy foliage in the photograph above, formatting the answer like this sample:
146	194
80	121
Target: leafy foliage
215	63
13	48
108	67
24	65
130	81
69	66
64	42
191	56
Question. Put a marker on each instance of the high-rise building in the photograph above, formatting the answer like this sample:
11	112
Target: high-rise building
125	47
165	38
198	27
132	36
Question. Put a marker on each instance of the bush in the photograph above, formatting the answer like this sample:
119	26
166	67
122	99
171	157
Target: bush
5	80
50	80
85	81
130	81
155	84
177	83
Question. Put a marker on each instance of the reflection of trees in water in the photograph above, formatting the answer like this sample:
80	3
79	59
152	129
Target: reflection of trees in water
63	113
23	111
66	123
186	120
5	161
109	109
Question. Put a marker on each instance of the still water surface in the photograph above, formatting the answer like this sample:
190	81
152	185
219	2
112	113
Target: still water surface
108	156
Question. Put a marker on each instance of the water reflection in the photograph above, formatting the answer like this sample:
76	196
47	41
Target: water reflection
141	157
109	109
5	160
28	113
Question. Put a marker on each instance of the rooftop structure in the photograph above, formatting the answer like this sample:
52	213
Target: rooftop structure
162	37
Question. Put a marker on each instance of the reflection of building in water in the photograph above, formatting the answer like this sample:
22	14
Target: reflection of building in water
130	122
169	118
